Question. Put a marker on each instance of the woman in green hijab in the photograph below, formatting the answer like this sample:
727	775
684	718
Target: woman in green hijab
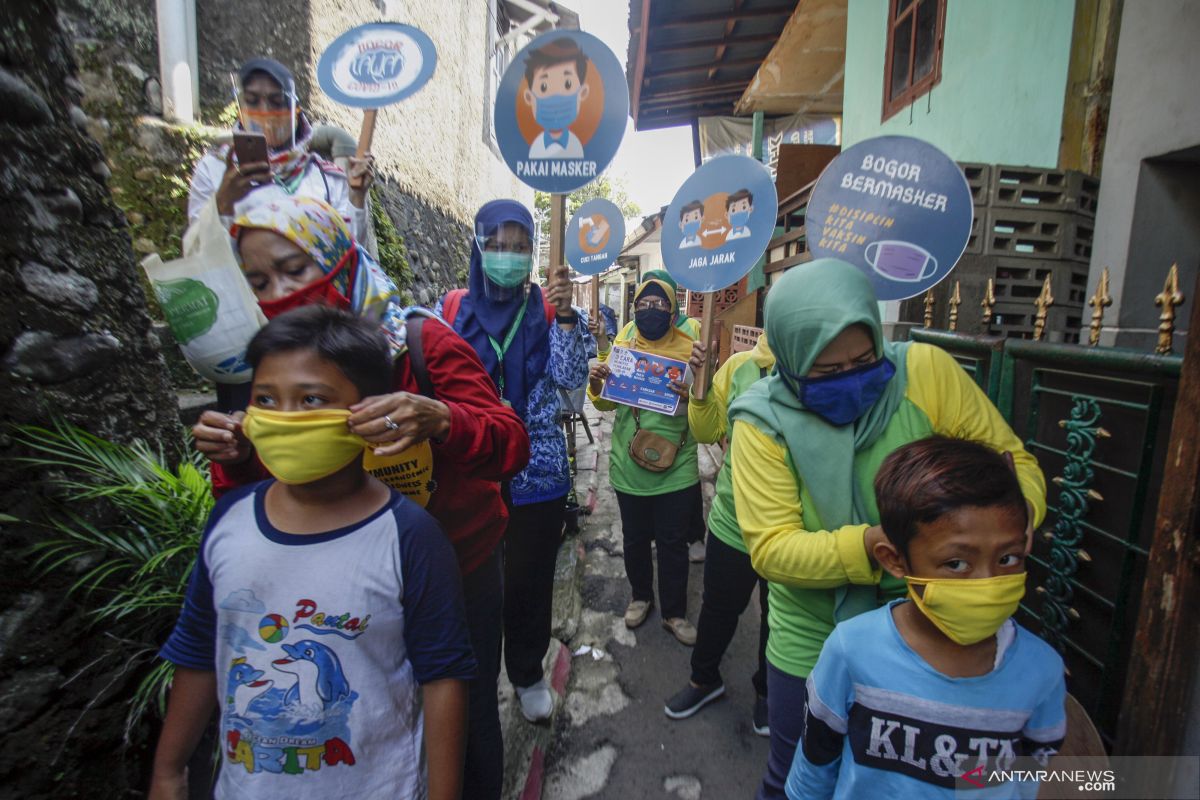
807	443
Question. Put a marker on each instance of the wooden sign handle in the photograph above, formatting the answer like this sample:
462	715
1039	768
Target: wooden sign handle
704	376
601	322
364	140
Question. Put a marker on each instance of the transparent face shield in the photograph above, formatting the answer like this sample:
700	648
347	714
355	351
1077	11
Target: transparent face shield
507	255
272	114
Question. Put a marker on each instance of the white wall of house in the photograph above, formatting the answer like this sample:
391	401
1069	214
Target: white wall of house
1155	112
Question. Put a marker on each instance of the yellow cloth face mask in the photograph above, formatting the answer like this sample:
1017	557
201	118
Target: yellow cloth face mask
302	446
968	610
409	472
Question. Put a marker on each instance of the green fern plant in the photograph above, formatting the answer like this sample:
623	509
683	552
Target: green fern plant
133	571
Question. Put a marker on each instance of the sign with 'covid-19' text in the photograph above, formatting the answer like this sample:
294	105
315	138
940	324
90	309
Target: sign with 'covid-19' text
561	110
375	65
897	208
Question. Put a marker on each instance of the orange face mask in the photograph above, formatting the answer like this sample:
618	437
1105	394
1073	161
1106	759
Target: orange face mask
277	126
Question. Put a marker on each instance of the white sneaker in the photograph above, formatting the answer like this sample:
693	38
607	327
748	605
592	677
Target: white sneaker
537	703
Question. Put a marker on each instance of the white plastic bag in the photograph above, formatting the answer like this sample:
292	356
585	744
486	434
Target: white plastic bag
206	300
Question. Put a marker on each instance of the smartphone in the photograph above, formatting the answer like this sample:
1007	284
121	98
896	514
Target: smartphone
250	148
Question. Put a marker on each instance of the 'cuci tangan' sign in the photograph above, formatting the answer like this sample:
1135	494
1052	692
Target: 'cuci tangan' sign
561	110
375	65
897	208
595	236
719	223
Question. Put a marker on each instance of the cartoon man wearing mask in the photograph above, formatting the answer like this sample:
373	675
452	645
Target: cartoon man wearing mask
555	74
737	209
690	217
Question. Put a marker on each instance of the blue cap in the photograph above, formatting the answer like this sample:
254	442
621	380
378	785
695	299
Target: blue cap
278	72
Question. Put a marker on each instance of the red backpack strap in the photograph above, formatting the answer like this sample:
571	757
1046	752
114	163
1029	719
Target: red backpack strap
416	353
451	303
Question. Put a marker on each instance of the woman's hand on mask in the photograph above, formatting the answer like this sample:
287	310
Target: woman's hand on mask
558	290
598	376
361	176
416	418
238	181
219	437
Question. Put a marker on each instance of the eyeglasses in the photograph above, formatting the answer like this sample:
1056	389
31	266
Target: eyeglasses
652	304
276	101
492	246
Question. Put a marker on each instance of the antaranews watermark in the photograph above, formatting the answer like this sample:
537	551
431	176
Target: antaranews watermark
1114	778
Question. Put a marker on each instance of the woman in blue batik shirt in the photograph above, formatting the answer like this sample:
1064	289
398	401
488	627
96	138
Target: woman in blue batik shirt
533	346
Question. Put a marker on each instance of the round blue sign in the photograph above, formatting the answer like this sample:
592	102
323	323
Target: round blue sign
594	236
375	65
719	223
561	110
895	207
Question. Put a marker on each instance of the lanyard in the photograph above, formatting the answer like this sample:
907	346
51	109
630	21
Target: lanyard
501	349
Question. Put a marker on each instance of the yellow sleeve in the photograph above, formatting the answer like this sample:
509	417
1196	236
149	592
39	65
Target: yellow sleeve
958	407
707	417
769	512
600	403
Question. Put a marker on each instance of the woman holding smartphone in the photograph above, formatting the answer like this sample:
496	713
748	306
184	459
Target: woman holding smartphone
270	156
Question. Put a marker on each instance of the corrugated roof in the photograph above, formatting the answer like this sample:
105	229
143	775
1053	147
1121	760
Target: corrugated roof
696	58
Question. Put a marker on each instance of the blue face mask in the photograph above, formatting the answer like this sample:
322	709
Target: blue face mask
690	229
555	112
738	219
843	397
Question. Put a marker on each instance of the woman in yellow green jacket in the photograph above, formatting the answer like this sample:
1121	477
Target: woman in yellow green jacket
807	442
655	506
729	578
690	326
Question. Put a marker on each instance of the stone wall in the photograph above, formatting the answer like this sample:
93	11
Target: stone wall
231	31
435	168
75	342
438	244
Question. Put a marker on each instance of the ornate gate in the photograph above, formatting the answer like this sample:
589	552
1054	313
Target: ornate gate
1098	420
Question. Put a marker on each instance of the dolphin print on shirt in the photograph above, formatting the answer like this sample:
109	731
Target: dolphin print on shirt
244	685
320	681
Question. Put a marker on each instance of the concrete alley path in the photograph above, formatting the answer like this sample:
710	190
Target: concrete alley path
611	738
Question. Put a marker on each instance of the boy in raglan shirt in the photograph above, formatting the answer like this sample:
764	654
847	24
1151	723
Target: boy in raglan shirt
907	699
324	615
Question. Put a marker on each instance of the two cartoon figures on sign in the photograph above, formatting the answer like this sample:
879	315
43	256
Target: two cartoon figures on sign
718	219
